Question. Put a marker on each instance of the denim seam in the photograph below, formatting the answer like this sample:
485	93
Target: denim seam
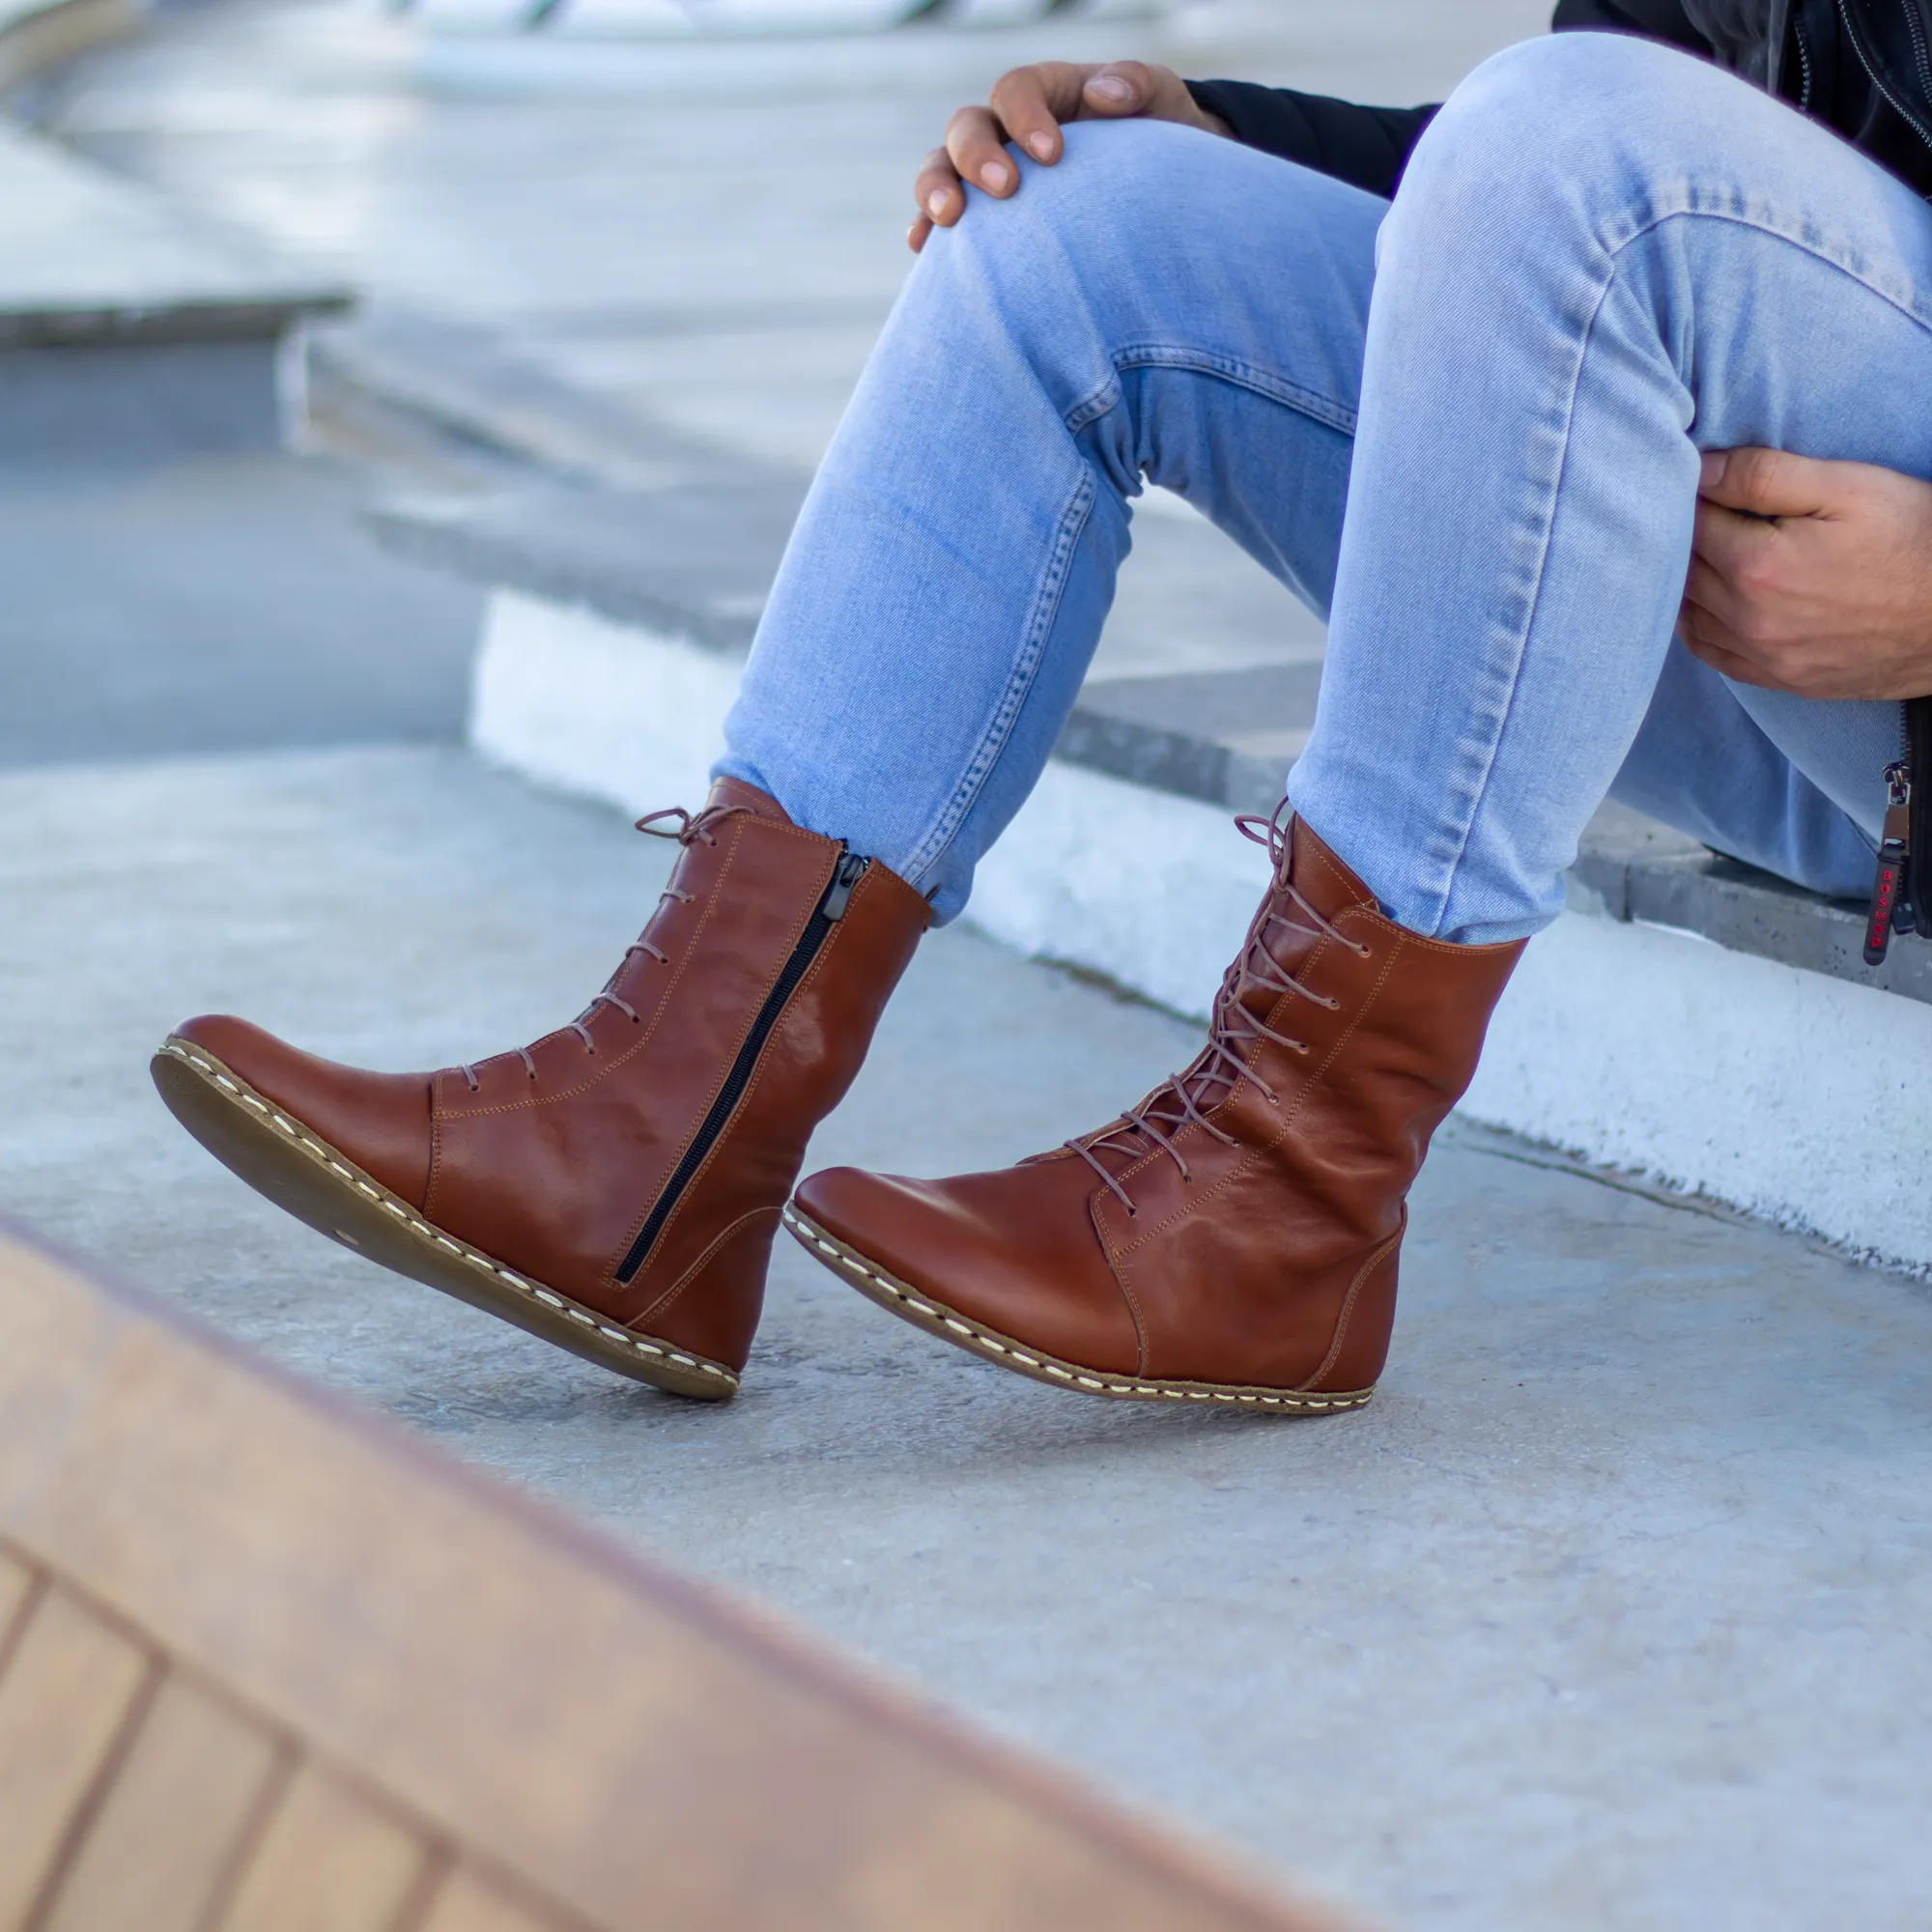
1230	369
1613	249
1102	399
1073	522
1476	784
1793	234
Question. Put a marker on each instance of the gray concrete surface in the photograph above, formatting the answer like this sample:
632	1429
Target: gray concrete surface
214	602
85	254
1605	1614
128	322
1609	1613
589	251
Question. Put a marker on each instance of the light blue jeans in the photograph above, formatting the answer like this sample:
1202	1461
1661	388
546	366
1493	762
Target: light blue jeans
1465	429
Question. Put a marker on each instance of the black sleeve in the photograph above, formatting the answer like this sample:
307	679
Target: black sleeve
1367	147
1654	20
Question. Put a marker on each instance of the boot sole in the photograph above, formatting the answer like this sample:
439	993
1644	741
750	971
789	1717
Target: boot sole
301	1174
924	1310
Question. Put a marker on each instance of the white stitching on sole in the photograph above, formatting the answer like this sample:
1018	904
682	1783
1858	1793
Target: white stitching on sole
211	1070
850	1263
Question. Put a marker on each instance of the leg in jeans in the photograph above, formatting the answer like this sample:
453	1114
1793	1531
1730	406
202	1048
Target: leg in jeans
614	1187
1552	341
1161	303
1702	763
1605	256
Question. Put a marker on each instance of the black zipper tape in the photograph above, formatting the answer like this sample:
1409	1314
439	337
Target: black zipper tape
1869	60
830	909
1918	870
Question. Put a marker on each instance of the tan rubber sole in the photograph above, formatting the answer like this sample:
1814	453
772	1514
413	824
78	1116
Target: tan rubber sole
922	1311
301	1174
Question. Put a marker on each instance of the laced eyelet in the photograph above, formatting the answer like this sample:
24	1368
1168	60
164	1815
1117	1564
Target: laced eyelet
691	824
1238	1035
469	1074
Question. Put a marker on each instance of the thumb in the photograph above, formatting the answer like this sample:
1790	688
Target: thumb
1121	86
1766	482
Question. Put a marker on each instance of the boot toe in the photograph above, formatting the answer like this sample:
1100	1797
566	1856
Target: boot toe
379	1121
1015	1253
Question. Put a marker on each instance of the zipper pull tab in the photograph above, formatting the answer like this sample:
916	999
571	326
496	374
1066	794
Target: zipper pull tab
1893	852
847	874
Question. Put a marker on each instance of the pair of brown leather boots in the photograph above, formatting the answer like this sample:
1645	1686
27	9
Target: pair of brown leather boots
614	1187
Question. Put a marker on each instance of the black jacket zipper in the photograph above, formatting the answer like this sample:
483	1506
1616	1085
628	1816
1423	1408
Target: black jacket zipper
1870	61
1917	914
830	909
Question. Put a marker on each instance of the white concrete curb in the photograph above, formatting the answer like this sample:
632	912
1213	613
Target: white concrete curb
1781	1092
569	698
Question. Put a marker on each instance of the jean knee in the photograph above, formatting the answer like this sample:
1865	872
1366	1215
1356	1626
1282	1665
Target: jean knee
1091	211
1569	110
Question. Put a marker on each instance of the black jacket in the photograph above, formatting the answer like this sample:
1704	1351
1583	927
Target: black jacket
1864	67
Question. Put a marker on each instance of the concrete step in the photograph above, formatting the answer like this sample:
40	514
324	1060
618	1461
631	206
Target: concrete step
1609	1602
129	324
220	601
1690	1017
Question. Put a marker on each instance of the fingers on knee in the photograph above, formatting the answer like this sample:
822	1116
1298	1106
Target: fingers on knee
1109	168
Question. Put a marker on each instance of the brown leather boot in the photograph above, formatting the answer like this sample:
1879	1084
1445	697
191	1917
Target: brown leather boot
1234	1237
614	1187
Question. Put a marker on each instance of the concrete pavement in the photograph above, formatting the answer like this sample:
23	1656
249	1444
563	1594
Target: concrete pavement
216	601
1607	1613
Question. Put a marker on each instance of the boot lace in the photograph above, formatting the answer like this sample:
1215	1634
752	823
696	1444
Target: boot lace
691	828
1234	1031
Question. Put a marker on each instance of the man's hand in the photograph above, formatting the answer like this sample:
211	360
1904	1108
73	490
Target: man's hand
1027	108
1810	577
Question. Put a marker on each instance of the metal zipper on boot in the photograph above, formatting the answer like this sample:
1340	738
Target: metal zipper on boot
830	909
1890	887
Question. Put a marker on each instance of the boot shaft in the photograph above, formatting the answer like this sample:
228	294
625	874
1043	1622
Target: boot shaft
1388	1029
613	1186
659	1134
1339	1043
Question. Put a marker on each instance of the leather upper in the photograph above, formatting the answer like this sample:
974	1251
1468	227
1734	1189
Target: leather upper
384	1116
1265	1258
551	1158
